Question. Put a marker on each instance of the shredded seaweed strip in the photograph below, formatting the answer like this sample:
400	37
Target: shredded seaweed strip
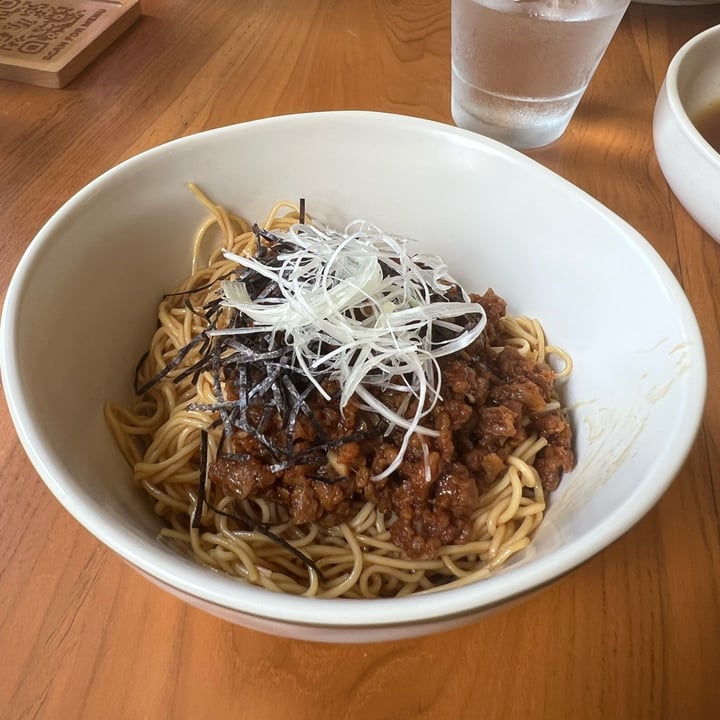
264	530
197	515
175	362
199	288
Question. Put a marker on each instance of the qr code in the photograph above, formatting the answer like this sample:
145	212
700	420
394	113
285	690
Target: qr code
29	27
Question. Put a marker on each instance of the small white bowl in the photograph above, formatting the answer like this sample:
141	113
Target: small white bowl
690	165
80	310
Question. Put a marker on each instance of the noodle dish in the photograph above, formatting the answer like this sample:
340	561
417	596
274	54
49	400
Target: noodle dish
348	376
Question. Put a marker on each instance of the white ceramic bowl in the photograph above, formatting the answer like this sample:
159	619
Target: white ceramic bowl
80	310
690	165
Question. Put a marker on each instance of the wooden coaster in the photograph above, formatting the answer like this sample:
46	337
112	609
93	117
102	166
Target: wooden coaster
48	42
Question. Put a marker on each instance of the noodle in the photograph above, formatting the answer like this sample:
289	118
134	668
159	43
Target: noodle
161	439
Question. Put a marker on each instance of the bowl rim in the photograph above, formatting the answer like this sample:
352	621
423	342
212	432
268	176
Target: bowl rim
674	101
249	600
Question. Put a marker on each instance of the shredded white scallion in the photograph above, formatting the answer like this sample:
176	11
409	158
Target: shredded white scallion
359	308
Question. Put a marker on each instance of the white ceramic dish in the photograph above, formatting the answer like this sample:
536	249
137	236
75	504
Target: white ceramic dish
690	165
80	309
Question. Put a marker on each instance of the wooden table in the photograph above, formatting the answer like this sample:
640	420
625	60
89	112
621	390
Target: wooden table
634	633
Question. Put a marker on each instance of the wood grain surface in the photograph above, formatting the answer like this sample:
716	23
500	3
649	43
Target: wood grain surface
634	633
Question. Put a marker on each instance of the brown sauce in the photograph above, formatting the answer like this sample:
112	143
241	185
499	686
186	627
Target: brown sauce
708	124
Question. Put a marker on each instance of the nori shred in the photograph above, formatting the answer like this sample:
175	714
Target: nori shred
264	530
170	366
199	288
197	515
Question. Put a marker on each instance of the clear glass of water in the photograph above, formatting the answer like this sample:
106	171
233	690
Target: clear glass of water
520	67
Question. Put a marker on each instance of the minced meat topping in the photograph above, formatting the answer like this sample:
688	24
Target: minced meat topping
491	402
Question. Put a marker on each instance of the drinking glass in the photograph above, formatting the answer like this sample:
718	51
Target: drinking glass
520	67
